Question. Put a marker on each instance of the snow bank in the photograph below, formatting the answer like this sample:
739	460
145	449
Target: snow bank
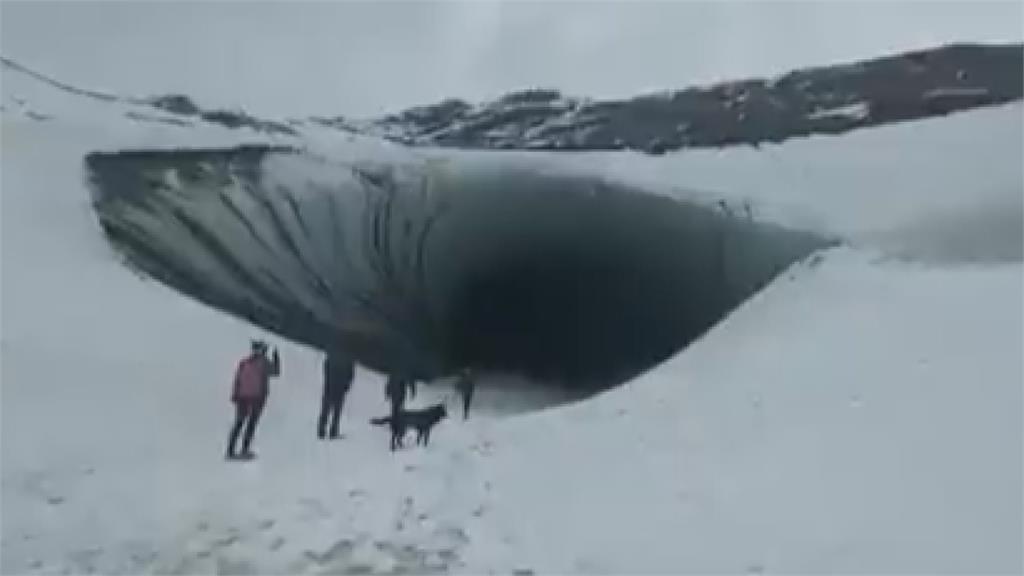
944	189
861	415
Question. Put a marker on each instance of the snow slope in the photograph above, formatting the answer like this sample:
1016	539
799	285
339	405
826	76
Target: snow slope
946	190
861	414
114	407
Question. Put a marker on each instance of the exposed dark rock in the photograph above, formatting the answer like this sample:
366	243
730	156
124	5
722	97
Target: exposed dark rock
184	106
533	95
241	119
824	100
160	119
176	103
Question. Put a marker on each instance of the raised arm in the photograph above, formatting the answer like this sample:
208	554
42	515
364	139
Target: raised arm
275	365
236	383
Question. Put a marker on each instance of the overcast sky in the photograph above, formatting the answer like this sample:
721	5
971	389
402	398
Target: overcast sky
367	58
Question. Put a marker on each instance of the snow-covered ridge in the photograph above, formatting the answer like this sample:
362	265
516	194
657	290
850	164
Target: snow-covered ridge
873	92
170	109
894	88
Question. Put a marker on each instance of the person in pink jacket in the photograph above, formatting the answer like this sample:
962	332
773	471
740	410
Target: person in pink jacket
249	395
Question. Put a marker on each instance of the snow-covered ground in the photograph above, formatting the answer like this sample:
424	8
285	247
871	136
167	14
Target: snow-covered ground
861	414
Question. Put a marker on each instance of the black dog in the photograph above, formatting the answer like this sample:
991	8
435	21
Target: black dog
421	420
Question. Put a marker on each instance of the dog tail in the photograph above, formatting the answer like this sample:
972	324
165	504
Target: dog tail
383	421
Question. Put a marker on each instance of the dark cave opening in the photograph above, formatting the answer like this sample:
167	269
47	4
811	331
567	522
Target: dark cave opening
583	324
569	281
597	291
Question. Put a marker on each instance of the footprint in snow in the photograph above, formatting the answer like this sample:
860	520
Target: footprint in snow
226	566
314	508
85	560
339	549
454	535
447	555
225	541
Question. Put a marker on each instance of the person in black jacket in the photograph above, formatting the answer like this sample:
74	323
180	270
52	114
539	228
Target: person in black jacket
395	390
465	383
339	370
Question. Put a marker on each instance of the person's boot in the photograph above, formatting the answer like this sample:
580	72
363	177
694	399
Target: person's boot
321	424
334	430
247	453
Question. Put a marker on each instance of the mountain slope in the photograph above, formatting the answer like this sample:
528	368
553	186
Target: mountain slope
862	413
824	100
827	100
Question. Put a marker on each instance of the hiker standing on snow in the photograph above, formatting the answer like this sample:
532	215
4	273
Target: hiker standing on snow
465	385
339	370
395	391
249	394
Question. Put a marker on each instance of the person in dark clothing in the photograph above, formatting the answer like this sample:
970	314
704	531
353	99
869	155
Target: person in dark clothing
339	370
465	384
395	391
249	395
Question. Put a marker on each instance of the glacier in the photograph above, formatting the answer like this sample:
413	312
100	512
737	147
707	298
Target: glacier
429	265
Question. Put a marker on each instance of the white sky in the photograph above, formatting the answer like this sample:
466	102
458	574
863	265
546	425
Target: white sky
368	58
